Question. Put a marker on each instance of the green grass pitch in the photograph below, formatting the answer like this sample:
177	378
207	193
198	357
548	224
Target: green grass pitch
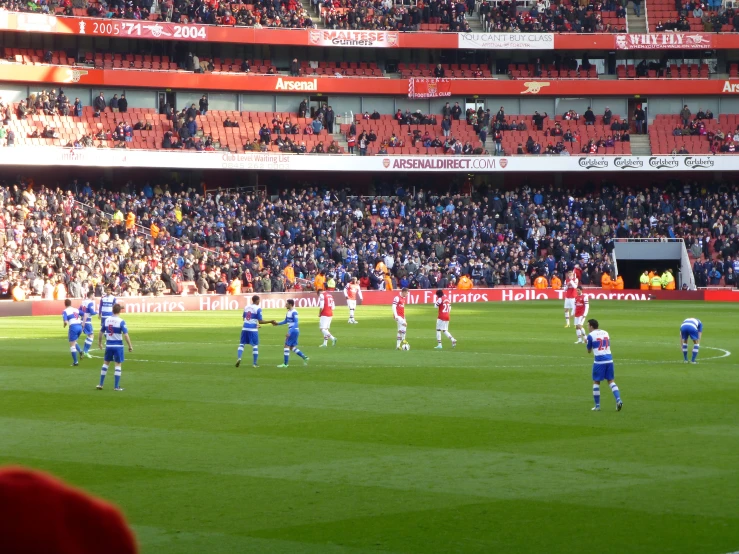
488	448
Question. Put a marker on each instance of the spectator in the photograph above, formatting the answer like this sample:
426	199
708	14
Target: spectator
685	114
295	68
589	116
438	71
114	104
204	105
99	104
640	119
123	104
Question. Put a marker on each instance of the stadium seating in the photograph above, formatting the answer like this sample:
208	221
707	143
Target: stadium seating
672	71
71	128
451	71
386	126
664	12
550	71
664	142
348	69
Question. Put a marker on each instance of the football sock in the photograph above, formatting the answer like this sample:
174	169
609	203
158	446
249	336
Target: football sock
351	314
438	337
88	345
696	347
286	355
77	347
240	351
397	342
74	354
103	372
298	352
614	390
685	352
448	335
117	376
596	395
254	353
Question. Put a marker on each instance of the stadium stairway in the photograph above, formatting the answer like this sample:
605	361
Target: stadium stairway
637	25
640	145
316	17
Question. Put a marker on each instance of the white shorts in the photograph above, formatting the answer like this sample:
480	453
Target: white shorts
351	304
442	325
570	304
580	320
324	322
401	324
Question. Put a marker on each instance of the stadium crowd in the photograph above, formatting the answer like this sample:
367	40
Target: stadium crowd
146	241
257	13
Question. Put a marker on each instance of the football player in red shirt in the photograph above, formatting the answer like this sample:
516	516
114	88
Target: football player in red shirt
442	321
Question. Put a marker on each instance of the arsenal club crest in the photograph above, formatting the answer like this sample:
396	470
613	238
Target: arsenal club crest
503	163
386	162
315	36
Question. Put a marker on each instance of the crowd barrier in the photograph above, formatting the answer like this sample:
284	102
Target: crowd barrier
212	302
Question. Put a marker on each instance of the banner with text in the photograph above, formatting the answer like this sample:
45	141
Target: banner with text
665	41
429	88
178	159
276	301
364	39
506	41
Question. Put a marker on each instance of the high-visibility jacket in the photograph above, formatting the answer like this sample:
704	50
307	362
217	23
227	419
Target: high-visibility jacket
319	283
19	295
465	283
556	283
618	283
668	281
234	287
656	283
130	220
331	284
388	282
605	281
289	274
644	281
540	282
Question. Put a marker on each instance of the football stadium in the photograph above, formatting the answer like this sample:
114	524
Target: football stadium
369	276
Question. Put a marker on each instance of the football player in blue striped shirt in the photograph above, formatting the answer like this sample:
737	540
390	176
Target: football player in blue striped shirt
250	330
71	318
116	332
106	310
692	329
599	343
293	332
87	311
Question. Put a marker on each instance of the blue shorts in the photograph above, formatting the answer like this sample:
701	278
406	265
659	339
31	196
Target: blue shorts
88	330
688	332
250	337
114	354
74	332
603	372
292	338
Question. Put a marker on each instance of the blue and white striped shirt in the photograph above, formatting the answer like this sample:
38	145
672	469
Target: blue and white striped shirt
106	306
115	328
692	323
252	318
291	320
71	316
